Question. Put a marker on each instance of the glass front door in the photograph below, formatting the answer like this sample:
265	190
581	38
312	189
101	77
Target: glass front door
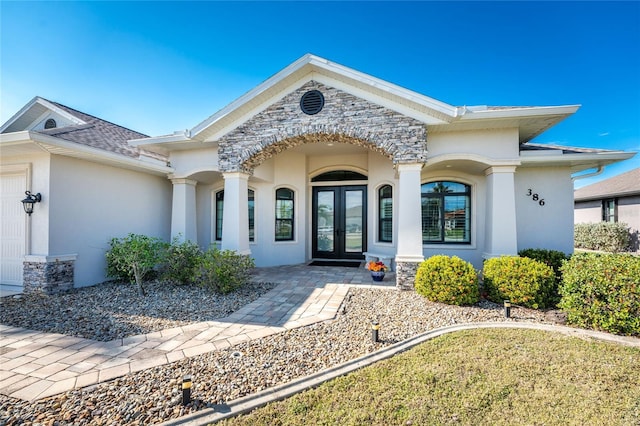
339	222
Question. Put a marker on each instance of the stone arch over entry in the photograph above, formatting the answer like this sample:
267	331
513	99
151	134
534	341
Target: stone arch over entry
345	118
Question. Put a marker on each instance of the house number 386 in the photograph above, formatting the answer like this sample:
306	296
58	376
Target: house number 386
535	197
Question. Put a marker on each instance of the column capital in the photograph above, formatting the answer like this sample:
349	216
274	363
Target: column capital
500	169
402	167
183	181
236	175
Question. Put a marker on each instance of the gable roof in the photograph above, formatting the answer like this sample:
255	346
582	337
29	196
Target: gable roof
624	184
85	129
436	115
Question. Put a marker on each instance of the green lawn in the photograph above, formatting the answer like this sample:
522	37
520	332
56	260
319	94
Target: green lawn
485	376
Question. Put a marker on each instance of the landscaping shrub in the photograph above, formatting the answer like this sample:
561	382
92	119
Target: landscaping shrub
553	258
604	236
602	291
134	257
225	270
182	263
448	280
523	281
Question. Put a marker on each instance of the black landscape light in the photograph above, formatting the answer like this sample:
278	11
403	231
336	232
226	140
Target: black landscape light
186	389
507	309
375	326
29	201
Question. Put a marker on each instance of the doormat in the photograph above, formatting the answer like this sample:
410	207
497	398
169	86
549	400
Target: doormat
335	263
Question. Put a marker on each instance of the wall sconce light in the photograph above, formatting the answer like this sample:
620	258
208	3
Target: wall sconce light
29	201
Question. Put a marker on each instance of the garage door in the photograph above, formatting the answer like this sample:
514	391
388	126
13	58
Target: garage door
12	228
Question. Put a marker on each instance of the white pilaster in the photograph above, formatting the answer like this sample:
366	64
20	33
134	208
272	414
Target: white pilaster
501	232
183	210
409	214
235	217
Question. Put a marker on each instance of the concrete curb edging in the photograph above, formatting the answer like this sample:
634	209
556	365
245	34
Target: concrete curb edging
250	402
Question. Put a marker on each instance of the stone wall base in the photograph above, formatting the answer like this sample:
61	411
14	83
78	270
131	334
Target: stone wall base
406	274
48	274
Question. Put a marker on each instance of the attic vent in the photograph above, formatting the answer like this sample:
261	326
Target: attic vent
50	124
312	102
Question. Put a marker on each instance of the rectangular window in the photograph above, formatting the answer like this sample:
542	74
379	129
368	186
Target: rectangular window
610	210
219	213
284	215
385	214
446	213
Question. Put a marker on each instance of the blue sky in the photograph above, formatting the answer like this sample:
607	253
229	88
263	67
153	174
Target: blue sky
157	67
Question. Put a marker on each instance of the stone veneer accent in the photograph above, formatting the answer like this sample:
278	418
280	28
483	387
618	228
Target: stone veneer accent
344	119
406	275
48	275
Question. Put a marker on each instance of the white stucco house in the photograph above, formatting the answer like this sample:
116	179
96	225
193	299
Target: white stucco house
318	162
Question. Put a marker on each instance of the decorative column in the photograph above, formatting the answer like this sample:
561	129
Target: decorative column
501	232
183	210
235	216
409	254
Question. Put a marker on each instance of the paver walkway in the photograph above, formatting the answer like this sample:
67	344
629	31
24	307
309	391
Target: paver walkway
35	365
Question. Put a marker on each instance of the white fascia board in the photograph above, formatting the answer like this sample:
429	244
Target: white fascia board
46	104
320	66
18	114
47	142
15	138
387	102
176	137
519	112
229	126
262	87
60	111
385	86
606	157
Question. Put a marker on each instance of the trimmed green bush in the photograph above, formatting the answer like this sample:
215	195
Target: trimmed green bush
182	263
602	291
604	236
448	280
553	258
225	271
134	257
521	280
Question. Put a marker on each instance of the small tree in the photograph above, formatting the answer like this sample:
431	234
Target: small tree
132	258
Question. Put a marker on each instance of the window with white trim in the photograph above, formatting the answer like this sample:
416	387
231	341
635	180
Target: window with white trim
446	213
385	214
284	214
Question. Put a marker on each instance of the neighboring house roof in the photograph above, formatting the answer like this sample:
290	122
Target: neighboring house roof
437	116
624	184
78	135
85	129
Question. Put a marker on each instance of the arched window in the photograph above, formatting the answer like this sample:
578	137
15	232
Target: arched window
385	214
220	211
284	214
50	124
446	213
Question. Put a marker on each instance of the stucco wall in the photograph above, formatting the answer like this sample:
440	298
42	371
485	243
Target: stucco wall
497	144
549	226
588	211
90	203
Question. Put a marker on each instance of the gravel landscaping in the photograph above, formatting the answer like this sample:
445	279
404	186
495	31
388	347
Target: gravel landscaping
153	396
114	310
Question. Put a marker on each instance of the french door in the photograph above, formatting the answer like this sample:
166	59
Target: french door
339	222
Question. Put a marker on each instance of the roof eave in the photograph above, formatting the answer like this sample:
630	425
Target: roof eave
59	146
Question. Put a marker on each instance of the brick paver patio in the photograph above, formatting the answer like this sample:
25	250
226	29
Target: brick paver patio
35	365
